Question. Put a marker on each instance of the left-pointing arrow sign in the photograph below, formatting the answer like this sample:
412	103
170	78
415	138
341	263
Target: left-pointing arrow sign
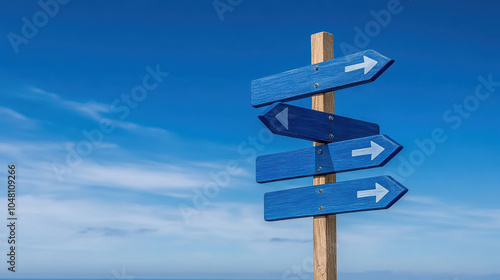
298	122
334	198
335	74
324	159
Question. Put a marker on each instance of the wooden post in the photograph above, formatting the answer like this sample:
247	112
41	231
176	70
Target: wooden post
324	227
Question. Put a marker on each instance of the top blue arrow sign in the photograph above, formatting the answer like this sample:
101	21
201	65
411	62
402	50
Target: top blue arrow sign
348	71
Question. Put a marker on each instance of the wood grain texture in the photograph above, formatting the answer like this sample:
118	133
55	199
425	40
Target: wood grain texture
349	155
324	227
333	198
319	77
325	247
302	123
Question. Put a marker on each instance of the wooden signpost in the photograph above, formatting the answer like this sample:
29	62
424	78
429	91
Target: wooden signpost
343	144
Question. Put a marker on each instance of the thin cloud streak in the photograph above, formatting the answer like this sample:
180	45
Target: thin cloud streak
11	113
93	110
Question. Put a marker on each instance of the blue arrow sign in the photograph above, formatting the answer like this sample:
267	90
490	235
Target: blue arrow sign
298	122
339	73
361	153
334	198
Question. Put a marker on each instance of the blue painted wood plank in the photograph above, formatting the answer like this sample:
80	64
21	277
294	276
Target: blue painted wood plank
334	198
339	73
298	122
361	153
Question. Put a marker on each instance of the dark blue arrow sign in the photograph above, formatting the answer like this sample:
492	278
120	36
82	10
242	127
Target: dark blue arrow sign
298	122
339	73
334	198
371	151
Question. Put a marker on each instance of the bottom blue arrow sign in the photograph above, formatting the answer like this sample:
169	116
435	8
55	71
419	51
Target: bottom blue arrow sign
334	198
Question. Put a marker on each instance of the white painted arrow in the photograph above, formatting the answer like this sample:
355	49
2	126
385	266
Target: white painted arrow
379	192
283	117
367	64
374	150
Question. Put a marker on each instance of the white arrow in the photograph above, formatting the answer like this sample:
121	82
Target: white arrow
379	192
374	150
367	63
283	117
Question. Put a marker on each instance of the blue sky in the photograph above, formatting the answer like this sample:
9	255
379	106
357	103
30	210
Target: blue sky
167	187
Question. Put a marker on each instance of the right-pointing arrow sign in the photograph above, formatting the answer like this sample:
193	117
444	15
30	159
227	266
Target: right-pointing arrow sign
334	198
331	158
335	74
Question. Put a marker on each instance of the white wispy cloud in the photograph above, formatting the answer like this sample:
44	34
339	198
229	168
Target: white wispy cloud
152	176
17	121
93	110
90	109
11	113
432	210
113	168
75	220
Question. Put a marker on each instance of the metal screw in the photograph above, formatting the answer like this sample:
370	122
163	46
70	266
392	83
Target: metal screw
316	85
330	117
320	152
320	190
319	169
316	67
320	208
331	136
